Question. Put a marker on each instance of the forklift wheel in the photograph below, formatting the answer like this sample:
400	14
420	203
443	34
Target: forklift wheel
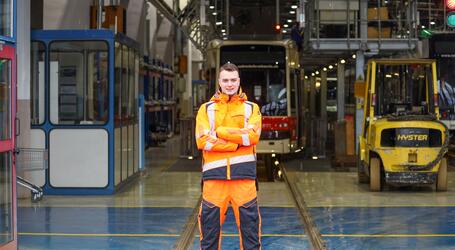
441	182
361	176
375	175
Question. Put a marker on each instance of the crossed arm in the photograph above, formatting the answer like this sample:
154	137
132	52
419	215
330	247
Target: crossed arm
226	139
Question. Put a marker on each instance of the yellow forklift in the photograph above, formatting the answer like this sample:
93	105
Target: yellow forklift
402	142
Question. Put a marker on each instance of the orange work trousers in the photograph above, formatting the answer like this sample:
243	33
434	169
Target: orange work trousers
242	196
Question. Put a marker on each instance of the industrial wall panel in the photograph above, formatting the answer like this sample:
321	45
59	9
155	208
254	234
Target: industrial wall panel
118	155
78	158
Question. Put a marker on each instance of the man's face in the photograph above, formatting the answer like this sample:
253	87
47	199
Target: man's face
229	82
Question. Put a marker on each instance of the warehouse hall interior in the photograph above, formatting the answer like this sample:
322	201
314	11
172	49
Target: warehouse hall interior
227	124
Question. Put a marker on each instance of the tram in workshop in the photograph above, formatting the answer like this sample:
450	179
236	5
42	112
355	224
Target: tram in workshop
441	47
270	76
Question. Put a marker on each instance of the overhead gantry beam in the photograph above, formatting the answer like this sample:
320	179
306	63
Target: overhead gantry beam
188	21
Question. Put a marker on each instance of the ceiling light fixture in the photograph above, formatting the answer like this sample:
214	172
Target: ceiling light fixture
293	7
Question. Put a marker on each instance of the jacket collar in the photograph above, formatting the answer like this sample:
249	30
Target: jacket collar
223	98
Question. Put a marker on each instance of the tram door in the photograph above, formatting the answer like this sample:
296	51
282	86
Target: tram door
8	235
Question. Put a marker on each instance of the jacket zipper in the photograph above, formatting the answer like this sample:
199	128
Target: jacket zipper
228	170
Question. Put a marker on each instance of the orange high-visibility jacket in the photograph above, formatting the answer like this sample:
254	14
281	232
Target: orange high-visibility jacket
227	130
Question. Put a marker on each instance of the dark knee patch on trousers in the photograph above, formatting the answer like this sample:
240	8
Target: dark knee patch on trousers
210	225
249	225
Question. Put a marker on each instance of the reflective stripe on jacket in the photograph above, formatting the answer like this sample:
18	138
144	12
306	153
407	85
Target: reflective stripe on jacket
227	130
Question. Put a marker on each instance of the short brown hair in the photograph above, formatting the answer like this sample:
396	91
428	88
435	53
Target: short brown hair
229	67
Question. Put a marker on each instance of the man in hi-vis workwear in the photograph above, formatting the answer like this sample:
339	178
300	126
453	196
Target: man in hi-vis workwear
227	129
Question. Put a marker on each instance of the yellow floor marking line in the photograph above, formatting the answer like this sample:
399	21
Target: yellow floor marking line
236	235
142	235
388	235
124	206
271	235
101	206
97	235
380	206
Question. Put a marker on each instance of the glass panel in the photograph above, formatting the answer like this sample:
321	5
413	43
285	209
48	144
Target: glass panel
37	82
267	89
118	79
6	200
5	99
262	67
136	86
98	83
402	89
131	75
78	82
6	16
125	111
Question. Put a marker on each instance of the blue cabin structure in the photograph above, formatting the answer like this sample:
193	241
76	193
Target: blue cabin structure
84	88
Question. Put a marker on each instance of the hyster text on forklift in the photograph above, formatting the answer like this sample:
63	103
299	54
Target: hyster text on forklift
402	142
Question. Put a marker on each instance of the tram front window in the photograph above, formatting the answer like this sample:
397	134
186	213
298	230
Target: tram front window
446	87
267	88
79	82
6	200
402	89
262	74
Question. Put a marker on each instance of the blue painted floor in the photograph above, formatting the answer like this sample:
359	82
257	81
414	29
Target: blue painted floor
100	228
141	228
281	229
386	227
